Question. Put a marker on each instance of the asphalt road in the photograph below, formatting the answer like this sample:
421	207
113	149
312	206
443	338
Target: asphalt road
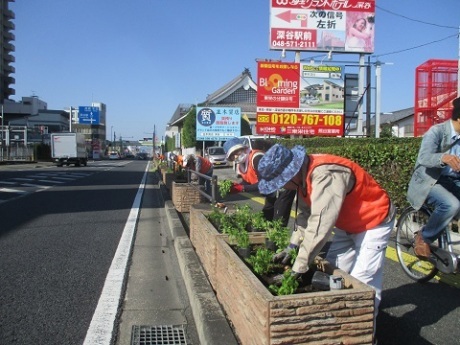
60	228
410	313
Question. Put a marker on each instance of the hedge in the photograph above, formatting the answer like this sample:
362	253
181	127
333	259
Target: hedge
389	160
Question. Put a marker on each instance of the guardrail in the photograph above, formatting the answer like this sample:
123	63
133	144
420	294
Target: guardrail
214	185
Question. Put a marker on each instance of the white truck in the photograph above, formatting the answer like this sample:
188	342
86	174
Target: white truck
68	148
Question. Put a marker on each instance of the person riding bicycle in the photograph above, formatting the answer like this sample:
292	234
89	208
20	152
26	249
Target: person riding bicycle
275	206
436	179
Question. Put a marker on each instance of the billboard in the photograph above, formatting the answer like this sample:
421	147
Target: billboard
217	123
299	99
318	25
88	115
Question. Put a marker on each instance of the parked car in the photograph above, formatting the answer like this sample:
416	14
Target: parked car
216	155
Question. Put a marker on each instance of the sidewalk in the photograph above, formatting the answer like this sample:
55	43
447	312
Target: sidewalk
168	297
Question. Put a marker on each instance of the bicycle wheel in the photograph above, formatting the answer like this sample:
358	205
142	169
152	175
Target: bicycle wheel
409	223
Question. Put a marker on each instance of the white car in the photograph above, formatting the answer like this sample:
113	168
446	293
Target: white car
216	155
114	155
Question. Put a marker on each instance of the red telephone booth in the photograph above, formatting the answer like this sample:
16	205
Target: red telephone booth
435	89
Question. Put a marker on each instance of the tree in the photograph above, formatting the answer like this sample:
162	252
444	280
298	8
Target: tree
189	129
245	126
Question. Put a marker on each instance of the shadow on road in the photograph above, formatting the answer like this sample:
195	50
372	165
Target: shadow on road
407	309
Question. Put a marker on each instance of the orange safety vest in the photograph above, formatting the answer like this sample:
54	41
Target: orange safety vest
206	165
250	175
365	206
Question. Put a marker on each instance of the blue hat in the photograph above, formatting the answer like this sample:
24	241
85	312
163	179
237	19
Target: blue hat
278	166
233	144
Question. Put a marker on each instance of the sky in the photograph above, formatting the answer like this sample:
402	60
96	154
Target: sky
143	58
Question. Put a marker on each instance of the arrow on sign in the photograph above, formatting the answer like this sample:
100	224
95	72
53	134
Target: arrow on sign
288	16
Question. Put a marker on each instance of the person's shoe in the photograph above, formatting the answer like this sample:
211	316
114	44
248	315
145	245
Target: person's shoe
421	248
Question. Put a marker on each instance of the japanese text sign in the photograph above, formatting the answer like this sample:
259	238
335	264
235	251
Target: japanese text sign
217	123
322	25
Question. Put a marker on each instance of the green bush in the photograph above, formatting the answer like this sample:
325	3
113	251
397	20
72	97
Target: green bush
389	160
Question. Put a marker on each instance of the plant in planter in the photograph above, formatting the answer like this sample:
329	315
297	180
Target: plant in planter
277	234
227	227
262	261
215	217
289	285
243	243
242	216
180	175
258	222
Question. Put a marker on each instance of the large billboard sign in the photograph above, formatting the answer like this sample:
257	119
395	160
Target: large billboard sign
88	115
322	25
299	99
217	123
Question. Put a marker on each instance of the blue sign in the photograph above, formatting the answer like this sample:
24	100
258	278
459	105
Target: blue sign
88	115
217	124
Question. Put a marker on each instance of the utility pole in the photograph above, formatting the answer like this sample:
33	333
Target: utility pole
1	142
70	120
368	98
153	142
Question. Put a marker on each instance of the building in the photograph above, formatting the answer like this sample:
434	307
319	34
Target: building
95	134
6	50
401	122
240	92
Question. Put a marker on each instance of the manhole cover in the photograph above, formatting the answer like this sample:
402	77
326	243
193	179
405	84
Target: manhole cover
158	335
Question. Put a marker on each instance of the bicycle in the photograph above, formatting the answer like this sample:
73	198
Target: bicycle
442	257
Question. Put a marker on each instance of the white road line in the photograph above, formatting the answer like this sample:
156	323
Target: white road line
103	322
65	178
35	185
50	181
9	183
10	190
22	179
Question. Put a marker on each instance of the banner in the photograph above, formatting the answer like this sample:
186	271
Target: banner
320	25
299	99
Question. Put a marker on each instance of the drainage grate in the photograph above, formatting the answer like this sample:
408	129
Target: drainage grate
158	335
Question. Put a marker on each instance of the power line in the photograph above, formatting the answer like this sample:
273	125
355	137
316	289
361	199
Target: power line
416	20
419	46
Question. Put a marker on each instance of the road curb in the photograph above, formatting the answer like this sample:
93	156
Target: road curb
212	325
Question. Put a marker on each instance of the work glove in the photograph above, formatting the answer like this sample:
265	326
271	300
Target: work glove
278	279
236	188
284	257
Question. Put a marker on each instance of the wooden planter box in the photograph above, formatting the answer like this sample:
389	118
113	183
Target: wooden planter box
184	195
168	178
327	317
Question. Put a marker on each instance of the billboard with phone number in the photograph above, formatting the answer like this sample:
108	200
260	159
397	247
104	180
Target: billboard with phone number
320	25
299	99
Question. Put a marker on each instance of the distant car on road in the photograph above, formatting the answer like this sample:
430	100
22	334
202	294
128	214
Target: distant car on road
216	155
114	155
142	155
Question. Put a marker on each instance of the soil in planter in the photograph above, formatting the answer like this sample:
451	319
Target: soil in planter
305	283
